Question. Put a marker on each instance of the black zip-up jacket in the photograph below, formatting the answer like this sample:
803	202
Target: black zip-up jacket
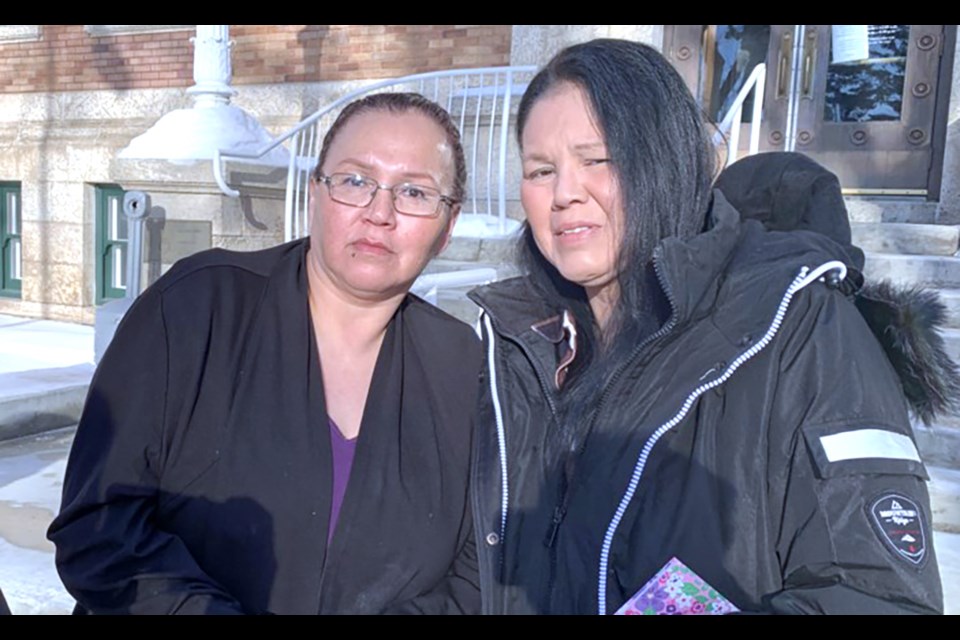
200	476
760	436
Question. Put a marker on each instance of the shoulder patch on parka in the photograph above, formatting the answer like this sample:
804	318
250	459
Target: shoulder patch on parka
901	525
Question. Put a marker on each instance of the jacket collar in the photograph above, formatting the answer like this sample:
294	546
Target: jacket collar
688	271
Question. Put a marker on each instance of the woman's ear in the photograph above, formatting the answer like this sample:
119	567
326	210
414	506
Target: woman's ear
447	233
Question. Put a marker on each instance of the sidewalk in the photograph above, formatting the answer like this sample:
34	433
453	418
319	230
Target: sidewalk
45	368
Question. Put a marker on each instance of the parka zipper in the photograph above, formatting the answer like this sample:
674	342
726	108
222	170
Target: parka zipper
560	510
801	281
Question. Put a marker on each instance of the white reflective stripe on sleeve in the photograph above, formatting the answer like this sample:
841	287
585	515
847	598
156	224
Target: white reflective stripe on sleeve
869	443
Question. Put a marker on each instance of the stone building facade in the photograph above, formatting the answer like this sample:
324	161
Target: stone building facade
72	96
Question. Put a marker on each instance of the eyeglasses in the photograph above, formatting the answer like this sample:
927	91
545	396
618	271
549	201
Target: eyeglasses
356	190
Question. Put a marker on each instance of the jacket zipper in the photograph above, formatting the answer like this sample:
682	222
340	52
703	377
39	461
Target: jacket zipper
560	511
498	416
801	281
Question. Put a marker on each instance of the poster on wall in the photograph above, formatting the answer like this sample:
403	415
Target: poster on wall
850	43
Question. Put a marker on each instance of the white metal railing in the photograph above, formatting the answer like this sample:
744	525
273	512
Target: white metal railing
734	118
480	102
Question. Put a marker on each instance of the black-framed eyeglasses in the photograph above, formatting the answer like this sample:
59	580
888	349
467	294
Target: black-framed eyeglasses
357	190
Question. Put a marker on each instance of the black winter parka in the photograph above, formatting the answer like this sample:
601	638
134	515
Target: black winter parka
760	436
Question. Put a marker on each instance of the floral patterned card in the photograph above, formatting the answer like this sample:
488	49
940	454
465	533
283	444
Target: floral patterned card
676	591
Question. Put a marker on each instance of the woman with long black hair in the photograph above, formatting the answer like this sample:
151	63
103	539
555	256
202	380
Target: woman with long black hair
670	385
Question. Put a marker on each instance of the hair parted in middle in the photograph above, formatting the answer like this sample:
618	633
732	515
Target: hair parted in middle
400	103
663	162
656	137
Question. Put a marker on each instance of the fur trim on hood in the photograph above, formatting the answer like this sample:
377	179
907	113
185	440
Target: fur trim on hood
905	321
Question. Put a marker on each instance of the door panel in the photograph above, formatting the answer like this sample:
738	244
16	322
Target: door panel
871	120
716	60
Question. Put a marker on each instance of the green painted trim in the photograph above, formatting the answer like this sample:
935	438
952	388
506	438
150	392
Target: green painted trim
10	287
104	246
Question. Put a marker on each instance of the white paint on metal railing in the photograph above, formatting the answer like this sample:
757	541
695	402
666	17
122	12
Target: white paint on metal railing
487	91
730	124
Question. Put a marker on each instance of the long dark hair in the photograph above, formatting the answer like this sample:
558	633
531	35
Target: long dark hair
663	162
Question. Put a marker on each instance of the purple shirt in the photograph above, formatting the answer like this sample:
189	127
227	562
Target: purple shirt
342	450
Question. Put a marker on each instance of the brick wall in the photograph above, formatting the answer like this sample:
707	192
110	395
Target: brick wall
67	58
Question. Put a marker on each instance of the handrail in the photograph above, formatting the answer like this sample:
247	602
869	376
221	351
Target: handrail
731	122
486	92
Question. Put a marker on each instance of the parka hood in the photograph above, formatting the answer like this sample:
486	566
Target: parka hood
791	192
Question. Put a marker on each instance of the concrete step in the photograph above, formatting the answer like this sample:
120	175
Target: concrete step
891	209
454	300
950	420
492	250
440	265
944	488
42	399
939	444
905	238
456	303
935	271
951	340
951	300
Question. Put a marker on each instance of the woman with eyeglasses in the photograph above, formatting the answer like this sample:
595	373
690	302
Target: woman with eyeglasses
288	431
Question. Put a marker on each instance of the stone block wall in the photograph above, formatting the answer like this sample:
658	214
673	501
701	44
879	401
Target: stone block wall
74	95
72	58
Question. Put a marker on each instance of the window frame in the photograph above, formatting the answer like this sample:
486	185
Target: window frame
106	267
11	241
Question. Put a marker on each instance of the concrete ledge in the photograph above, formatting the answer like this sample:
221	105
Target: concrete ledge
40	400
951	300
951	340
495	250
891	209
944	487
939	445
936	271
915	239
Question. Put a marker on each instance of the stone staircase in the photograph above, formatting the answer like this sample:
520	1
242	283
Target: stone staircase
471	253
918	253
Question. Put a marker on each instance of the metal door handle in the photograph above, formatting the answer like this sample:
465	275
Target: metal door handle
809	60
783	66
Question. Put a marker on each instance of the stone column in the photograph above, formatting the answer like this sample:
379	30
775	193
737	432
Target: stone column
188	212
949	210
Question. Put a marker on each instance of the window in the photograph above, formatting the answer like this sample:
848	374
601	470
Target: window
11	220
19	33
98	30
111	243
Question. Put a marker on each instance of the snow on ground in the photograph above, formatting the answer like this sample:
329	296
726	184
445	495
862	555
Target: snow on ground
42	344
30	582
947	546
31	477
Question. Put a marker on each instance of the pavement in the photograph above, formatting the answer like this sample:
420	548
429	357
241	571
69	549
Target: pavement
45	368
